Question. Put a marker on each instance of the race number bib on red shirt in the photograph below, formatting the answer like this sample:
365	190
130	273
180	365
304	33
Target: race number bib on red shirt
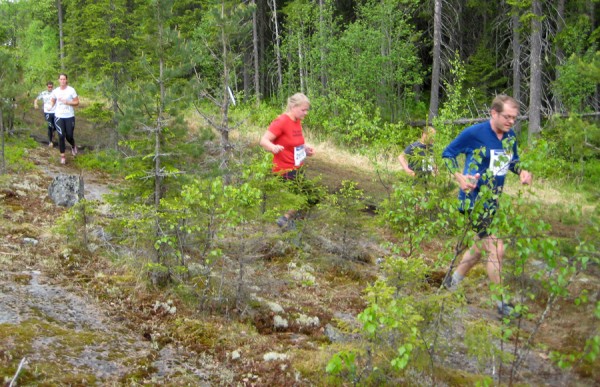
299	155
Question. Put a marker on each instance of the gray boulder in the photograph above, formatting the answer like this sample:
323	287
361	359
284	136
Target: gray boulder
66	190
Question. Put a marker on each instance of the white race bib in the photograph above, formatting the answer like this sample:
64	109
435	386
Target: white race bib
499	162
428	164
299	155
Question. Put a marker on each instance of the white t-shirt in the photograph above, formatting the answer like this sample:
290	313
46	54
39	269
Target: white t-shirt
62	110
46	96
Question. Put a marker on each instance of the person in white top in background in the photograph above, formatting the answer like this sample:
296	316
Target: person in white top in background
63	100
46	97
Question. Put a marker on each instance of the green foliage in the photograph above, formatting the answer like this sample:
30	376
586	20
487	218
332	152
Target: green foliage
415	214
73	224
342	364
97	114
568	151
345	120
480	339
214	46
39	49
577	35
276	194
483	76
263	115
588	355
455	105
343	214
542	159
369	67
392	321
578	79
107	160
15	150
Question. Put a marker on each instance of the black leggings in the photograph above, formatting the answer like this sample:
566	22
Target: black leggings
51	128
65	128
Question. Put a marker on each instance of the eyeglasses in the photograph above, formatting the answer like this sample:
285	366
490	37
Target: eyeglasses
508	118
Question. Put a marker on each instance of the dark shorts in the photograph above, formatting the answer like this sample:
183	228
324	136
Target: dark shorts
480	223
300	185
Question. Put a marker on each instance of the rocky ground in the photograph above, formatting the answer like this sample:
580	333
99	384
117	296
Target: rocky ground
63	334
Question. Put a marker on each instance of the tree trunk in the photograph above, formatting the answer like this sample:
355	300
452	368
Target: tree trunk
322	43
2	159
560	55
592	14
535	84
61	40
437	53
255	54
277	47
115	108
263	76
224	129
516	61
300	65
157	135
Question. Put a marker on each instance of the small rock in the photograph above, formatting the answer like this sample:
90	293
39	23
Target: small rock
30	241
272	356
280	322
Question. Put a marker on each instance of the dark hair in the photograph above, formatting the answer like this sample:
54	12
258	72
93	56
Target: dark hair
49	83
502	99
61	74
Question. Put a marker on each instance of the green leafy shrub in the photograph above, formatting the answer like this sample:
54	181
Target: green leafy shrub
106	160
15	151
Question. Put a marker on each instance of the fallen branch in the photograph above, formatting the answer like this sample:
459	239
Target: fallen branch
21	364
465	121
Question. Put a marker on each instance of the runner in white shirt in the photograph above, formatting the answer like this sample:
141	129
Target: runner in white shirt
63	99
46	97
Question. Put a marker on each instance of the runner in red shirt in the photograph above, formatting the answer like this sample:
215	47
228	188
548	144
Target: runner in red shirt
285	140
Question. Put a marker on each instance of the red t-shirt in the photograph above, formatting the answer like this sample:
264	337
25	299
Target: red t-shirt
288	133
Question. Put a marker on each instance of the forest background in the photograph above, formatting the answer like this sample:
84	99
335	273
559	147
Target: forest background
176	92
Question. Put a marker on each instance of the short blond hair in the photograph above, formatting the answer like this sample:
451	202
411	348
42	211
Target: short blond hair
502	99
296	100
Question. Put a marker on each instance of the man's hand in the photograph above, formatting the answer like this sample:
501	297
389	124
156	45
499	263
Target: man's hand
467	182
526	177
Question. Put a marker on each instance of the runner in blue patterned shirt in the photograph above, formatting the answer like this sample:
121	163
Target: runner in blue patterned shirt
490	150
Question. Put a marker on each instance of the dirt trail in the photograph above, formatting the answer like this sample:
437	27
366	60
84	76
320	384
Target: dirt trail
66	336
48	161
